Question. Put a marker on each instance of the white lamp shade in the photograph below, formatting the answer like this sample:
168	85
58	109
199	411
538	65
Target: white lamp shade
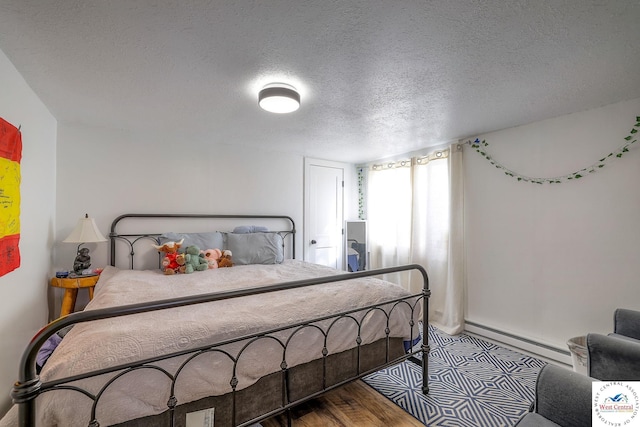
86	231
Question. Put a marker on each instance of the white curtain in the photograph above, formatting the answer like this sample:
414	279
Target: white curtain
415	216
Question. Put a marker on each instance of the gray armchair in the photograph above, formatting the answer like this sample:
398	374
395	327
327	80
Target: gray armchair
562	398
616	357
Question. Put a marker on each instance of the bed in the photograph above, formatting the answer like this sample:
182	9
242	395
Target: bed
235	345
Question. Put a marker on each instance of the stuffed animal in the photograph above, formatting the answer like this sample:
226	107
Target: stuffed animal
225	259
193	260
212	256
169	262
181	261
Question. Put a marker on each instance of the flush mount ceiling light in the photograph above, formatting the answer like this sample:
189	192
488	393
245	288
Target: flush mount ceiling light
279	98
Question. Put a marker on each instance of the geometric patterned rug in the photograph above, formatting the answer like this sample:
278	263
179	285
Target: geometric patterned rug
472	383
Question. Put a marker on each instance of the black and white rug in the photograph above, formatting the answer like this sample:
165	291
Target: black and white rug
472	383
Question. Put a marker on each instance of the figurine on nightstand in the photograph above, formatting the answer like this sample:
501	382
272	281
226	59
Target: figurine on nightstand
82	262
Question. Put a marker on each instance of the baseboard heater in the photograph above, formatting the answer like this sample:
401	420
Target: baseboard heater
530	346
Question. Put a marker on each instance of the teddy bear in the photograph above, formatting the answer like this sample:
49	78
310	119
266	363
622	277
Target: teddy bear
225	260
193	260
212	256
170	263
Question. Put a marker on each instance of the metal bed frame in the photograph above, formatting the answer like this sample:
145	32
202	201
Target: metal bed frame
29	386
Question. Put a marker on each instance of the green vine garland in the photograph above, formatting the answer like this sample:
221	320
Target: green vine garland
479	146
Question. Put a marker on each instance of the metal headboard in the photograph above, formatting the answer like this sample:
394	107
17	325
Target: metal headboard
132	238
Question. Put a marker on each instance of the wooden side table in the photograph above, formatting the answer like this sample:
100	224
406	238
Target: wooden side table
71	286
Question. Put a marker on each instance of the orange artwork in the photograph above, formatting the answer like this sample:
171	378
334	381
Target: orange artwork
10	156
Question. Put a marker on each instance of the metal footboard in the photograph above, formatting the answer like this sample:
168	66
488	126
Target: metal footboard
29	386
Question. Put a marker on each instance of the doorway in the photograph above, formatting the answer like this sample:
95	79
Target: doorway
323	213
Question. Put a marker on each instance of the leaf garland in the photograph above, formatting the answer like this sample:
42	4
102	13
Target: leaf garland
480	147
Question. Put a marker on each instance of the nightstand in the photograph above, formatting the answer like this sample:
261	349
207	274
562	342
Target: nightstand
71	286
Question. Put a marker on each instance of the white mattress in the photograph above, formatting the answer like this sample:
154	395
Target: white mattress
111	342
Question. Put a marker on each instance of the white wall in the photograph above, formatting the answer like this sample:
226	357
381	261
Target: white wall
550	262
23	307
108	172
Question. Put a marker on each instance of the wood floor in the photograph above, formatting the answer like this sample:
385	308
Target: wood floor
352	405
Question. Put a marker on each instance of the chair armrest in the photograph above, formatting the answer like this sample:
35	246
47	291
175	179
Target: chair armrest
627	322
563	396
613	359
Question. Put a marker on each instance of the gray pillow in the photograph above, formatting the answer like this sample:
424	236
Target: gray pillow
243	229
255	248
207	240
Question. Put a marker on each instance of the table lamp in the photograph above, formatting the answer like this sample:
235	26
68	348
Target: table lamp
86	231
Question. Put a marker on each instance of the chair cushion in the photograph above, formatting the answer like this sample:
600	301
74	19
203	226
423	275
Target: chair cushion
535	420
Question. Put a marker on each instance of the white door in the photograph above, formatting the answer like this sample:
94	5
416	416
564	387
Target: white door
324	214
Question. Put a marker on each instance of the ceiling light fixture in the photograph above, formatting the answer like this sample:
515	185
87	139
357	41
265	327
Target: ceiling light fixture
279	98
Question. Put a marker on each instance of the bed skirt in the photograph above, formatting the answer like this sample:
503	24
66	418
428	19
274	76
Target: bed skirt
266	396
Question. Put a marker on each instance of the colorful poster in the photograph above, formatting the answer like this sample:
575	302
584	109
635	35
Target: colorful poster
10	156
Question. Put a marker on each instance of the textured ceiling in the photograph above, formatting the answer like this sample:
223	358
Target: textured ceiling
376	78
